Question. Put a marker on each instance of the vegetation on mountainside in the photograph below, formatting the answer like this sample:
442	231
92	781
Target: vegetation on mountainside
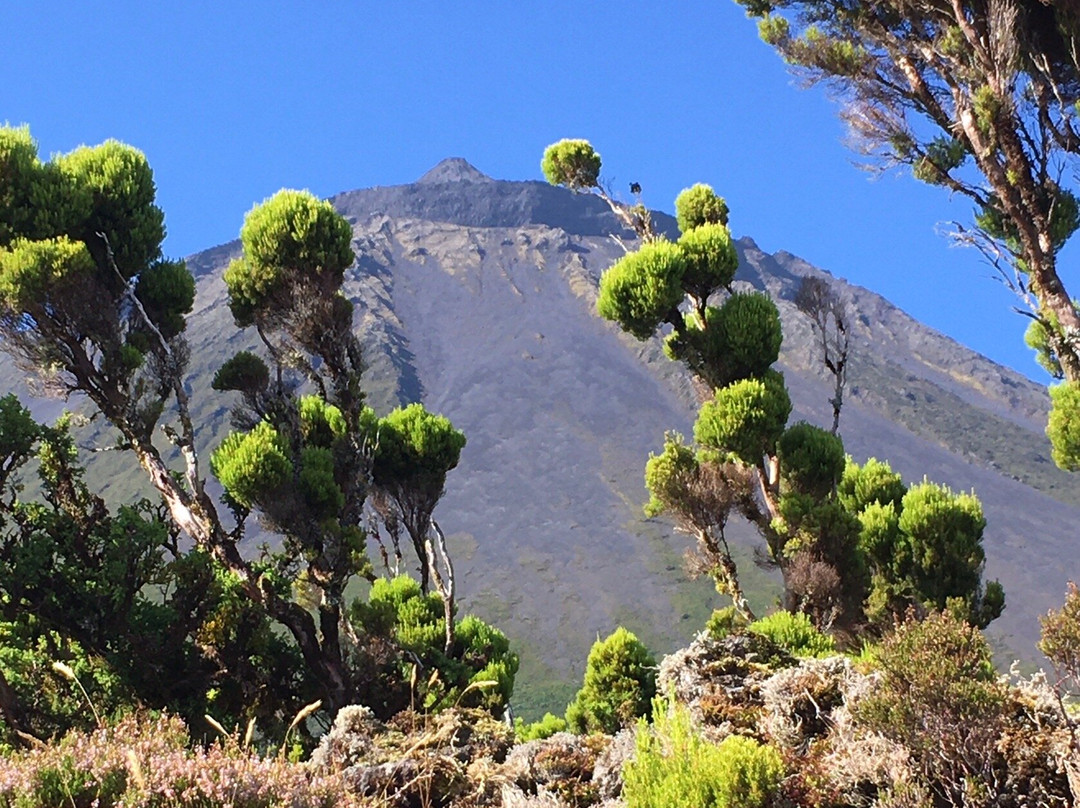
747	460
982	99
109	621
88	303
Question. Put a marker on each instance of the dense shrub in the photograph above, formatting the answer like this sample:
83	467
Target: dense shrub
143	762
794	633
538	730
940	699
620	682
676	768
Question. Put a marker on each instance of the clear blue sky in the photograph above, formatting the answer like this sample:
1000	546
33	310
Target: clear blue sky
231	101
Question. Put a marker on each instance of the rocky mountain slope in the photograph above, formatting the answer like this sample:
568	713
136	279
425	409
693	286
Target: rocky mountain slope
477	297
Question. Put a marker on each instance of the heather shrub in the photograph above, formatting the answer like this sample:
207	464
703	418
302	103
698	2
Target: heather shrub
398	610
939	698
538	730
795	634
676	768
724	622
620	682
141	762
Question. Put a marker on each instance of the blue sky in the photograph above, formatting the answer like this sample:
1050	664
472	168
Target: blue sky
231	101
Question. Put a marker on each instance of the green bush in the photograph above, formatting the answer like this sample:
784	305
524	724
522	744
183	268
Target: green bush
620	682
795	634
676	768
724	622
538	730
699	205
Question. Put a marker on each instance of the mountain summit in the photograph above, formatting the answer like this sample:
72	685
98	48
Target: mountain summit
454	169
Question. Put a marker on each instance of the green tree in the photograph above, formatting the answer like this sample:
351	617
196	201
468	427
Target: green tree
982	99
112	595
923	545
620	682
87	299
729	340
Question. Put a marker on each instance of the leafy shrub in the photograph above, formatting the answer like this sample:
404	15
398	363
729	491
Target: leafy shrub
795	634
724	622
397	610
148	762
620	682
538	730
939	698
675	768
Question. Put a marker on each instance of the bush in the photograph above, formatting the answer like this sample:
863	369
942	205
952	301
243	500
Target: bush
939	698
795	634
674	767
620	682
147	762
397	610
547	726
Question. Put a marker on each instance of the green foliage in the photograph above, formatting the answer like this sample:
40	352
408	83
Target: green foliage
121	184
32	273
397	609
943	155
745	418
667	474
620	682
245	373
923	545
416	444
538	730
795	634
320	423
873	482
110	595
711	260
252	465
1063	426
725	622
939	698
1038	338
811	459
167	291
675	768
749	328
294	244
643	288
573	163
698	206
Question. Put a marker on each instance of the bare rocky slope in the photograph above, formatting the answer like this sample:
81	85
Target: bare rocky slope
477	297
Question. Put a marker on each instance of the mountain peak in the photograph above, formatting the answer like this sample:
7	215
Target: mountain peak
454	169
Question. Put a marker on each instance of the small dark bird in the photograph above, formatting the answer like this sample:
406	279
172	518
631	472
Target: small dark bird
635	188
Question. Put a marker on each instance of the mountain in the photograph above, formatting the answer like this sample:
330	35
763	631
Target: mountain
477	297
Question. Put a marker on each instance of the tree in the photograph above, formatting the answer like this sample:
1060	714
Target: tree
729	340
947	87
829	318
923	546
620	682
87	299
111	594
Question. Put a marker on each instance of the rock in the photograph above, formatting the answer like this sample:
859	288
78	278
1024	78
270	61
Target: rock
607	773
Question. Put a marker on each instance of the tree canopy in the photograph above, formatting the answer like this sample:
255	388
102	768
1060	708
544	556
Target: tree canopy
88	304
981	98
